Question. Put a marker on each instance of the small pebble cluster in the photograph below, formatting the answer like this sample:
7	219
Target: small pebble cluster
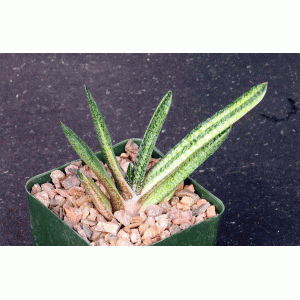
67	198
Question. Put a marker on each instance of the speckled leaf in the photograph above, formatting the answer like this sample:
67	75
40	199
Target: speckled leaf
99	199
129	174
187	168
96	166
149	140
201	135
106	148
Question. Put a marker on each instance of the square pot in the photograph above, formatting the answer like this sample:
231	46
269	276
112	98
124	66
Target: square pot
49	230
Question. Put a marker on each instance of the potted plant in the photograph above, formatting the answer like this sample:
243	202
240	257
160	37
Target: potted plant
133	192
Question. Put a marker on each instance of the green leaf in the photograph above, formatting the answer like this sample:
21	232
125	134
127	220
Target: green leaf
99	199
201	135
129	174
96	166
106	148
149	140
187	168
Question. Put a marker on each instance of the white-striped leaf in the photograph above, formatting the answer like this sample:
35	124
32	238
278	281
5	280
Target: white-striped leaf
201	135
187	168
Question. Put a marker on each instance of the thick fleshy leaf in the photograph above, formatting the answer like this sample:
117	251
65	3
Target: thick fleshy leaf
202	135
99	199
129	174
168	186
97	167
168	197
106	147
149	140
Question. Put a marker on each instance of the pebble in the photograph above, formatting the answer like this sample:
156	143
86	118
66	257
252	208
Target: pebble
77	163
173	214
127	229
151	232
166	206
71	169
111	238
56	176
199	219
85	209
101	242
165	234
154	210
187	193
163	216
36	188
187	201
182	206
93	214
70	181
73	213
43	197
164	223
190	188
88	172
60	200
76	191
96	235
179	187
123	217
134	225
150	221
123	234
180	221
174	200
88	222
108	227
201	209
142	228
53	202
123	242
88	232
174	229
56	210
70	222
201	202
211	212
185	225
156	239
49	189
81	232
135	236
147	241
187	214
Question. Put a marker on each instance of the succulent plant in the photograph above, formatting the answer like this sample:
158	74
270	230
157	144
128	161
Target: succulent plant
136	189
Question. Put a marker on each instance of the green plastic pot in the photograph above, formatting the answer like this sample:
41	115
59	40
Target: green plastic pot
49	230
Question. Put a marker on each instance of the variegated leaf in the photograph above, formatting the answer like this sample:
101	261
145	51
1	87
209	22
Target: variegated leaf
96	166
106	147
201	135
149	140
99	199
129	175
188	167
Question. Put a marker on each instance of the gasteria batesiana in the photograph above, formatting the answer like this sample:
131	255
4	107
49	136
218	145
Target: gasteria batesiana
136	189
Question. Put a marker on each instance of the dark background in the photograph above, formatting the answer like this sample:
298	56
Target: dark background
255	172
